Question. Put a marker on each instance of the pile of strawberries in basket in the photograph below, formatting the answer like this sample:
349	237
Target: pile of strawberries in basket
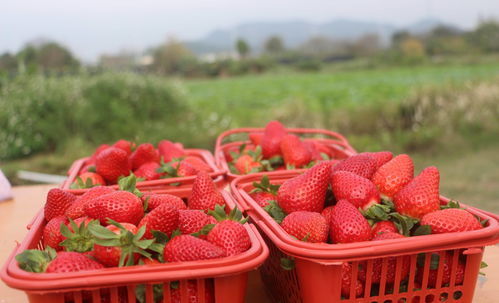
367	197
108	228
108	163
275	149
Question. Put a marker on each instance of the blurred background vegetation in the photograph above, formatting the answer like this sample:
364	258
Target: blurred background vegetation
434	95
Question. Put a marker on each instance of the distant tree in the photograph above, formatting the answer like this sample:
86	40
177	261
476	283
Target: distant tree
47	56
367	45
243	48
486	36
274	45
412	48
8	63
170	57
445	40
399	36
121	61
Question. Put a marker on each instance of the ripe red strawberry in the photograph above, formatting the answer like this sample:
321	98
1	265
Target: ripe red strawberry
392	176
120	206
112	163
447	271
381	157
163	218
346	281
271	140
306	226
450	220
189	248
72	262
98	150
109	256
169	151
76	209
391	261
255	138
312	149
231	236
294	152
263	198
57	202
305	192
88	167
144	153
148	171
155	200
192	293
246	164
192	220
326	213
348	224
52	233
198	163
204	194
420	196
359	191
384	227
89	178
184	169
363	165
124	145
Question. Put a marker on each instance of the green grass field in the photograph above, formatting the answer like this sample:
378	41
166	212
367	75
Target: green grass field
443	115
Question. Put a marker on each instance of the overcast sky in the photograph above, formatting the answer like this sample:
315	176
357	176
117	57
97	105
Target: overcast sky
91	27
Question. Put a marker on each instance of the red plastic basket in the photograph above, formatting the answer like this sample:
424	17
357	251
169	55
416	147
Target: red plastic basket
228	275
169	183
317	274
338	145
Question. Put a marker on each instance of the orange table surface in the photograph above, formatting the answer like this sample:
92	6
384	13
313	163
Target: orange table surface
17	213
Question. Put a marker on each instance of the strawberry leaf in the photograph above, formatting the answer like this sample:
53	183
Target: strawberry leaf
275	211
325	156
422	230
287	264
204	231
451	204
34	260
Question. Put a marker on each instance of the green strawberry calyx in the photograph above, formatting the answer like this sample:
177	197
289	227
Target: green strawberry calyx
80	239
79	184
265	186
130	184
275	211
220	215
34	260
129	243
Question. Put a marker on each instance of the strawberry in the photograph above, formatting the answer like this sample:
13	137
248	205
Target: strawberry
229	233
294	152
192	293
450	220
58	201
76	209
112	163
198	163
359	191
392	176
271	140
163	218
420	196
384	227
363	165
306	192
347	224
98	150
192	221
246	164
263	198
88	180
155	200
148	171
49	261
306	226
326	213
77	236
255	138
312	149
119	244
204	194
346	281
125	145
380	157
189	248
52	233
184	169
447	270
391	261
144	153
121	206
88	167
169	151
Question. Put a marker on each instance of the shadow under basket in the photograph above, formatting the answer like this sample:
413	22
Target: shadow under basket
431	268
168	183
221	280
337	145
